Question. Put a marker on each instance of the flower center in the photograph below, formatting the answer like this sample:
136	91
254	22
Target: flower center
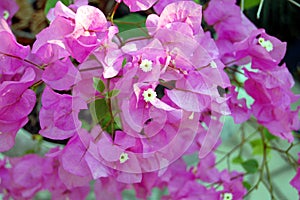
267	44
149	95
123	157
5	14
227	196
146	65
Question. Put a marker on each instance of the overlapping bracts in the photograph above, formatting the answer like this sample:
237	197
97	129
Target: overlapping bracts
161	96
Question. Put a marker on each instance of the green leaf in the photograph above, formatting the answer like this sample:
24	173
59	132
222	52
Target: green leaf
124	62
112	93
268	135
98	84
85	125
99	110
131	21
51	4
132	25
247	185
251	166
128	194
257	147
237	160
100	113
250	3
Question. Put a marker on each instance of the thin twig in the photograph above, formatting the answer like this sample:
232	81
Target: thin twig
25	60
266	165
242	5
236	147
294	2
261	3
90	69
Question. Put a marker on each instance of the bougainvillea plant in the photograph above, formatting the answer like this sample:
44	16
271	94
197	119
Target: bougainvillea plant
133	103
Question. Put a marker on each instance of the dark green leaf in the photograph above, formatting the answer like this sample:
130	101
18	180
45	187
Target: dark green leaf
51	4
98	84
99	110
131	21
250	3
251	166
100	113
247	185
132	25
268	135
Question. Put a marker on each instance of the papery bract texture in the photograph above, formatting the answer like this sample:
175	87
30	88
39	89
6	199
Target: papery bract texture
11	52
82	32
59	114
138	4
16	102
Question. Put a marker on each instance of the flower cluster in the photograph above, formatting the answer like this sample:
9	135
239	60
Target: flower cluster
152	99
268	81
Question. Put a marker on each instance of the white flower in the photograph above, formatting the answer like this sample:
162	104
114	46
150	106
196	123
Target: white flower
149	95
146	65
123	157
227	196
267	44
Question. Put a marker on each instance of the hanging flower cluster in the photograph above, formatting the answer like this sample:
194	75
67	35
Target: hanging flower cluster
152	99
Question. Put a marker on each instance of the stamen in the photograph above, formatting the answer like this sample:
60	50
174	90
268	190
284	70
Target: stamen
146	65
149	95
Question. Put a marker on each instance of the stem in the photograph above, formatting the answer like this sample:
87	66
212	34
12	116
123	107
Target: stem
111	17
234	70
36	84
230	62
235	148
200	68
289	157
242	5
25	60
243	139
137	39
261	3
104	127
119	40
109	103
294	2
130	23
90	100
265	164
90	69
